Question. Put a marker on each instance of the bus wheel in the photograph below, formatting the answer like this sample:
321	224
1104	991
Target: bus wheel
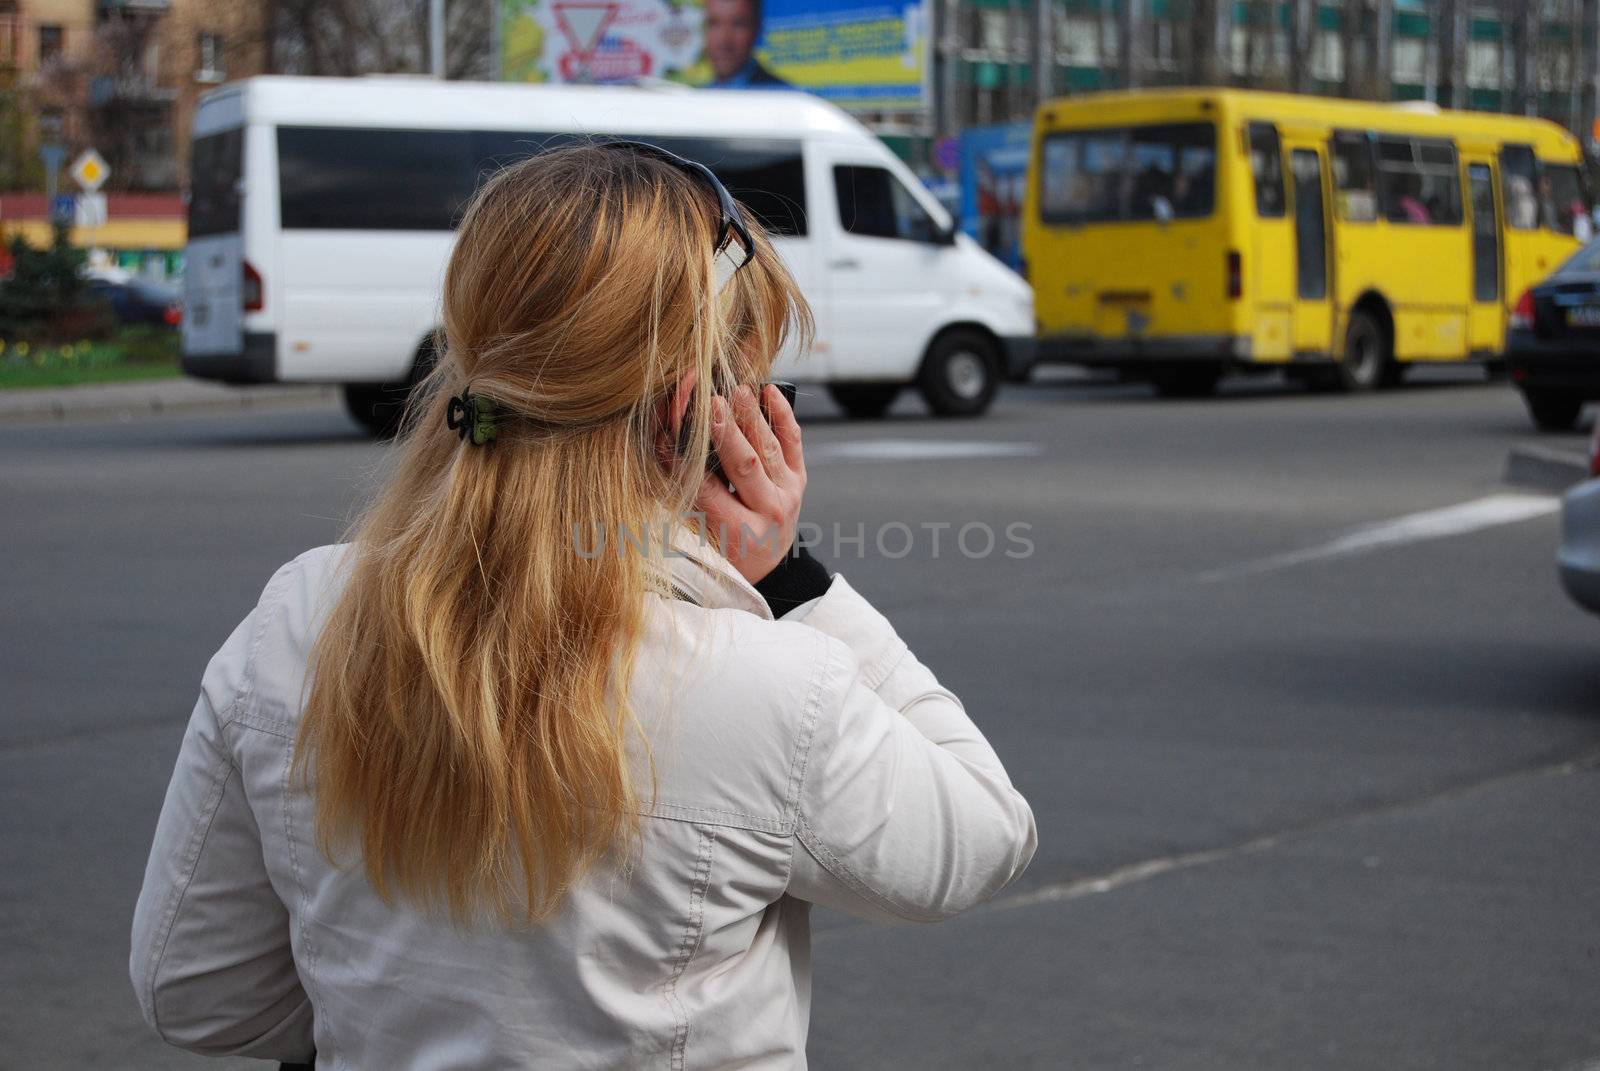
377	407
1186	381
1553	410
1366	356
864	401
960	374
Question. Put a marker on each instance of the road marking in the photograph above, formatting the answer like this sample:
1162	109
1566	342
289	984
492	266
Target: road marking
917	450
1488	512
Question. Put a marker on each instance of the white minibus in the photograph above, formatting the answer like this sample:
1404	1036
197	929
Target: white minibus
321	212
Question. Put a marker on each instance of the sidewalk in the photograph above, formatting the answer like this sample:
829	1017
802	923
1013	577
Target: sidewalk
152	396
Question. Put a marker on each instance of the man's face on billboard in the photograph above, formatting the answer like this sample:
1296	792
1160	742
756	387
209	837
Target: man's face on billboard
730	35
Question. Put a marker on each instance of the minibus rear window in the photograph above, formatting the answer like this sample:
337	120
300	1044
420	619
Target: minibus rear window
215	167
1128	173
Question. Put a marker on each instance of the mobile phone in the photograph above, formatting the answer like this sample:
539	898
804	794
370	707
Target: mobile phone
713	463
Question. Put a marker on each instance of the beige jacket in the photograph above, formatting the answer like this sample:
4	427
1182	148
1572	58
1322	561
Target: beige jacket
807	760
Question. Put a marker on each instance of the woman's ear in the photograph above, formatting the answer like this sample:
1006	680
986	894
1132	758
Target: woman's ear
678	402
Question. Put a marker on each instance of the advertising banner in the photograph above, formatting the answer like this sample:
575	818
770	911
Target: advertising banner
859	55
994	166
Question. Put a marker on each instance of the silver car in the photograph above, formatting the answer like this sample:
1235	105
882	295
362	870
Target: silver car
1579	557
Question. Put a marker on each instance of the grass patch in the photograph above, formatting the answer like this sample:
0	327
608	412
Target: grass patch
133	354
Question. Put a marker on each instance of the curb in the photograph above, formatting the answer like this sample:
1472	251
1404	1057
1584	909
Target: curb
1545	468
126	400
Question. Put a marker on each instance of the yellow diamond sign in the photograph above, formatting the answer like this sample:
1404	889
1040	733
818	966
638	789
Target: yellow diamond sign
91	170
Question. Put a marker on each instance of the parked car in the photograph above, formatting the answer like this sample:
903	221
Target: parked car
1578	560
139	301
1553	346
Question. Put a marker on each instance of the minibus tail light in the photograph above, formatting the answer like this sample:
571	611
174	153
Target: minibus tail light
1235	265
251	290
1524	314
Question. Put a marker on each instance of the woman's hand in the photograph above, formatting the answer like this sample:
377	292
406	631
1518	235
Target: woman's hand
755	522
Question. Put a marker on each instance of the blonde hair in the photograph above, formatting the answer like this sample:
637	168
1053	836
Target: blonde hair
468	704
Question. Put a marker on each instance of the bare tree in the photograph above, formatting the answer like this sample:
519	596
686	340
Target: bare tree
354	37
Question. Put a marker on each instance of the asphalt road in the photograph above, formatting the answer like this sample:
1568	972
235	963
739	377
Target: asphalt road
1305	799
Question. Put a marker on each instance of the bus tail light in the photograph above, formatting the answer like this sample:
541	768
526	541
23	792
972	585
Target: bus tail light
1594	453
251	290
1523	316
1235	265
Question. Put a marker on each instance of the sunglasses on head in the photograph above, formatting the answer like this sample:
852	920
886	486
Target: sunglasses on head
734	247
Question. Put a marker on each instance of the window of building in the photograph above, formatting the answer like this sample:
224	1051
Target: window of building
874	204
1483	64
210	67
1327	56
1266	167
1409	61
1078	40
1419	181
1355	181
52	42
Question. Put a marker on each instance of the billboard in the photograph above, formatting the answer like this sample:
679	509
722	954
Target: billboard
994	166
859	55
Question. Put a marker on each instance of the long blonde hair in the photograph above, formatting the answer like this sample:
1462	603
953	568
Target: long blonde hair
468	706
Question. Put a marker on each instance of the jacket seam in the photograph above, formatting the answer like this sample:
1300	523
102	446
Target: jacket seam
677	812
195	849
309	979
808	727
874	675
841	870
689	943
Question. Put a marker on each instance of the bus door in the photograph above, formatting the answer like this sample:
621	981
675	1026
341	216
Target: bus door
1312	330
1271	253
1486	312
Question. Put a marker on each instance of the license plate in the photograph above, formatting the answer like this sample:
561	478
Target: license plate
1584	316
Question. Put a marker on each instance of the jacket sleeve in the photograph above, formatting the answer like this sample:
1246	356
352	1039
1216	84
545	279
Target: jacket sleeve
904	810
211	960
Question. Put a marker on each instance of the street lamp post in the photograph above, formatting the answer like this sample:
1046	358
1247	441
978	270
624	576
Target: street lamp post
436	37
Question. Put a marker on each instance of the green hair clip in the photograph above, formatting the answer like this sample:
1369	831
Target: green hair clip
473	417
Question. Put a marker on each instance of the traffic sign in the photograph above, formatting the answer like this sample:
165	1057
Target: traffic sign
63	209
91	170
91	211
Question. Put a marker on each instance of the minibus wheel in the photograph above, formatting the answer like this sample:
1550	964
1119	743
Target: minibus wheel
1366	363
864	401
377	407
960	373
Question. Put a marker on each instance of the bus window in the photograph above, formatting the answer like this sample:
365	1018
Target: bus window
873	203
1561	199
1266	168
1354	181
1311	240
1419	181
1140	173
1485	235
366	179
1518	185
214	193
1081	178
766	175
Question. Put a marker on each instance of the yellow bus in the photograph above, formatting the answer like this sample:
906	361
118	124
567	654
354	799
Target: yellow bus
1177	234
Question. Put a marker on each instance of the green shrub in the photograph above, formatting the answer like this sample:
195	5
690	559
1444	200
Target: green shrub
47	299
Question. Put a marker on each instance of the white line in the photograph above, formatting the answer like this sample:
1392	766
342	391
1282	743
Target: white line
917	450
1481	513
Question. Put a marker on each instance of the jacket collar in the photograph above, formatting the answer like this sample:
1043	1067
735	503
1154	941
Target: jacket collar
697	569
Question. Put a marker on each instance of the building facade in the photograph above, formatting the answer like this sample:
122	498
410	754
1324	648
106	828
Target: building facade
995	59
